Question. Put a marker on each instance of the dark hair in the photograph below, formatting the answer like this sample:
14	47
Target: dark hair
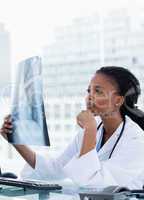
129	87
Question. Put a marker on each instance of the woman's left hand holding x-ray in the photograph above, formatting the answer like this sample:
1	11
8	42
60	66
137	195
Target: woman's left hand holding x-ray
86	120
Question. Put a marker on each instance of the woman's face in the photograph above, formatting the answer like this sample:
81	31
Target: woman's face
102	98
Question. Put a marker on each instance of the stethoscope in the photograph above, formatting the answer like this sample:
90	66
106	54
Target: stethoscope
120	135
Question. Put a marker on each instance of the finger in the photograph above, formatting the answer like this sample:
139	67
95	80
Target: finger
79	123
89	112
1	130
7	131
8	126
7	118
2	133
83	111
78	118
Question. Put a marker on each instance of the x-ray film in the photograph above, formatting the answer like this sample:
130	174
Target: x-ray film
28	115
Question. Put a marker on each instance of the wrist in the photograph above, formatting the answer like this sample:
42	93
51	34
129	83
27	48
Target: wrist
90	128
89	143
90	137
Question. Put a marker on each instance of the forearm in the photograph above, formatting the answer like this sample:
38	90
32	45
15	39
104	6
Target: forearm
28	155
89	141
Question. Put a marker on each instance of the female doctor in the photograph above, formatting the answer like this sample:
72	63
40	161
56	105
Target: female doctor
110	152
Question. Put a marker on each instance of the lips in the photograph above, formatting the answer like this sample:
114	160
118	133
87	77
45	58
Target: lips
90	105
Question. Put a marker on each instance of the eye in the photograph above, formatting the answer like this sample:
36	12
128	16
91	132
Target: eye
88	90
99	92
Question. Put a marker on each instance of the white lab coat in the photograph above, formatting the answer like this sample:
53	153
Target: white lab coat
124	168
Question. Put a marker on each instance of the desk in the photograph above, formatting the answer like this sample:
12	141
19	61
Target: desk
68	193
15	193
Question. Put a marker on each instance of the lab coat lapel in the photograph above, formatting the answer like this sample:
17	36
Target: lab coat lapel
106	149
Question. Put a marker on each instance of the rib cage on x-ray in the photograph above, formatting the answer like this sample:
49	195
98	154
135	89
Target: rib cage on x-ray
28	113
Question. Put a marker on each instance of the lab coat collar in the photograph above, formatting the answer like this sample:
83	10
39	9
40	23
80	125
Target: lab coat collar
107	147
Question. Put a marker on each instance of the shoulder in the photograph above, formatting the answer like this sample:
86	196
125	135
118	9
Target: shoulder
133	134
133	128
132	141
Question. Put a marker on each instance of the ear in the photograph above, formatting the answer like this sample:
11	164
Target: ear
119	100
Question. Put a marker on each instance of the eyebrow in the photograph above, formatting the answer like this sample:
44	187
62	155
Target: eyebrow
96	87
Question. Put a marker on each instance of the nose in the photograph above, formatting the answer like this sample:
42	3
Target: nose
88	97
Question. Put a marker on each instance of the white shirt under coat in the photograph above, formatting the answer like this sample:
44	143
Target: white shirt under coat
124	168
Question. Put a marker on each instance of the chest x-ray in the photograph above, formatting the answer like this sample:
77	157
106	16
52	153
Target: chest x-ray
28	115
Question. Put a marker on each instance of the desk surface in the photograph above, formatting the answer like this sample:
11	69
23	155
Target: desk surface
15	193
69	192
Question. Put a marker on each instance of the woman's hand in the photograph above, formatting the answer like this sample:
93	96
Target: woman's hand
87	121
6	127
24	151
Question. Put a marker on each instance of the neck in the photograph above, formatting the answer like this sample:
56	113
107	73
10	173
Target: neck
111	123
